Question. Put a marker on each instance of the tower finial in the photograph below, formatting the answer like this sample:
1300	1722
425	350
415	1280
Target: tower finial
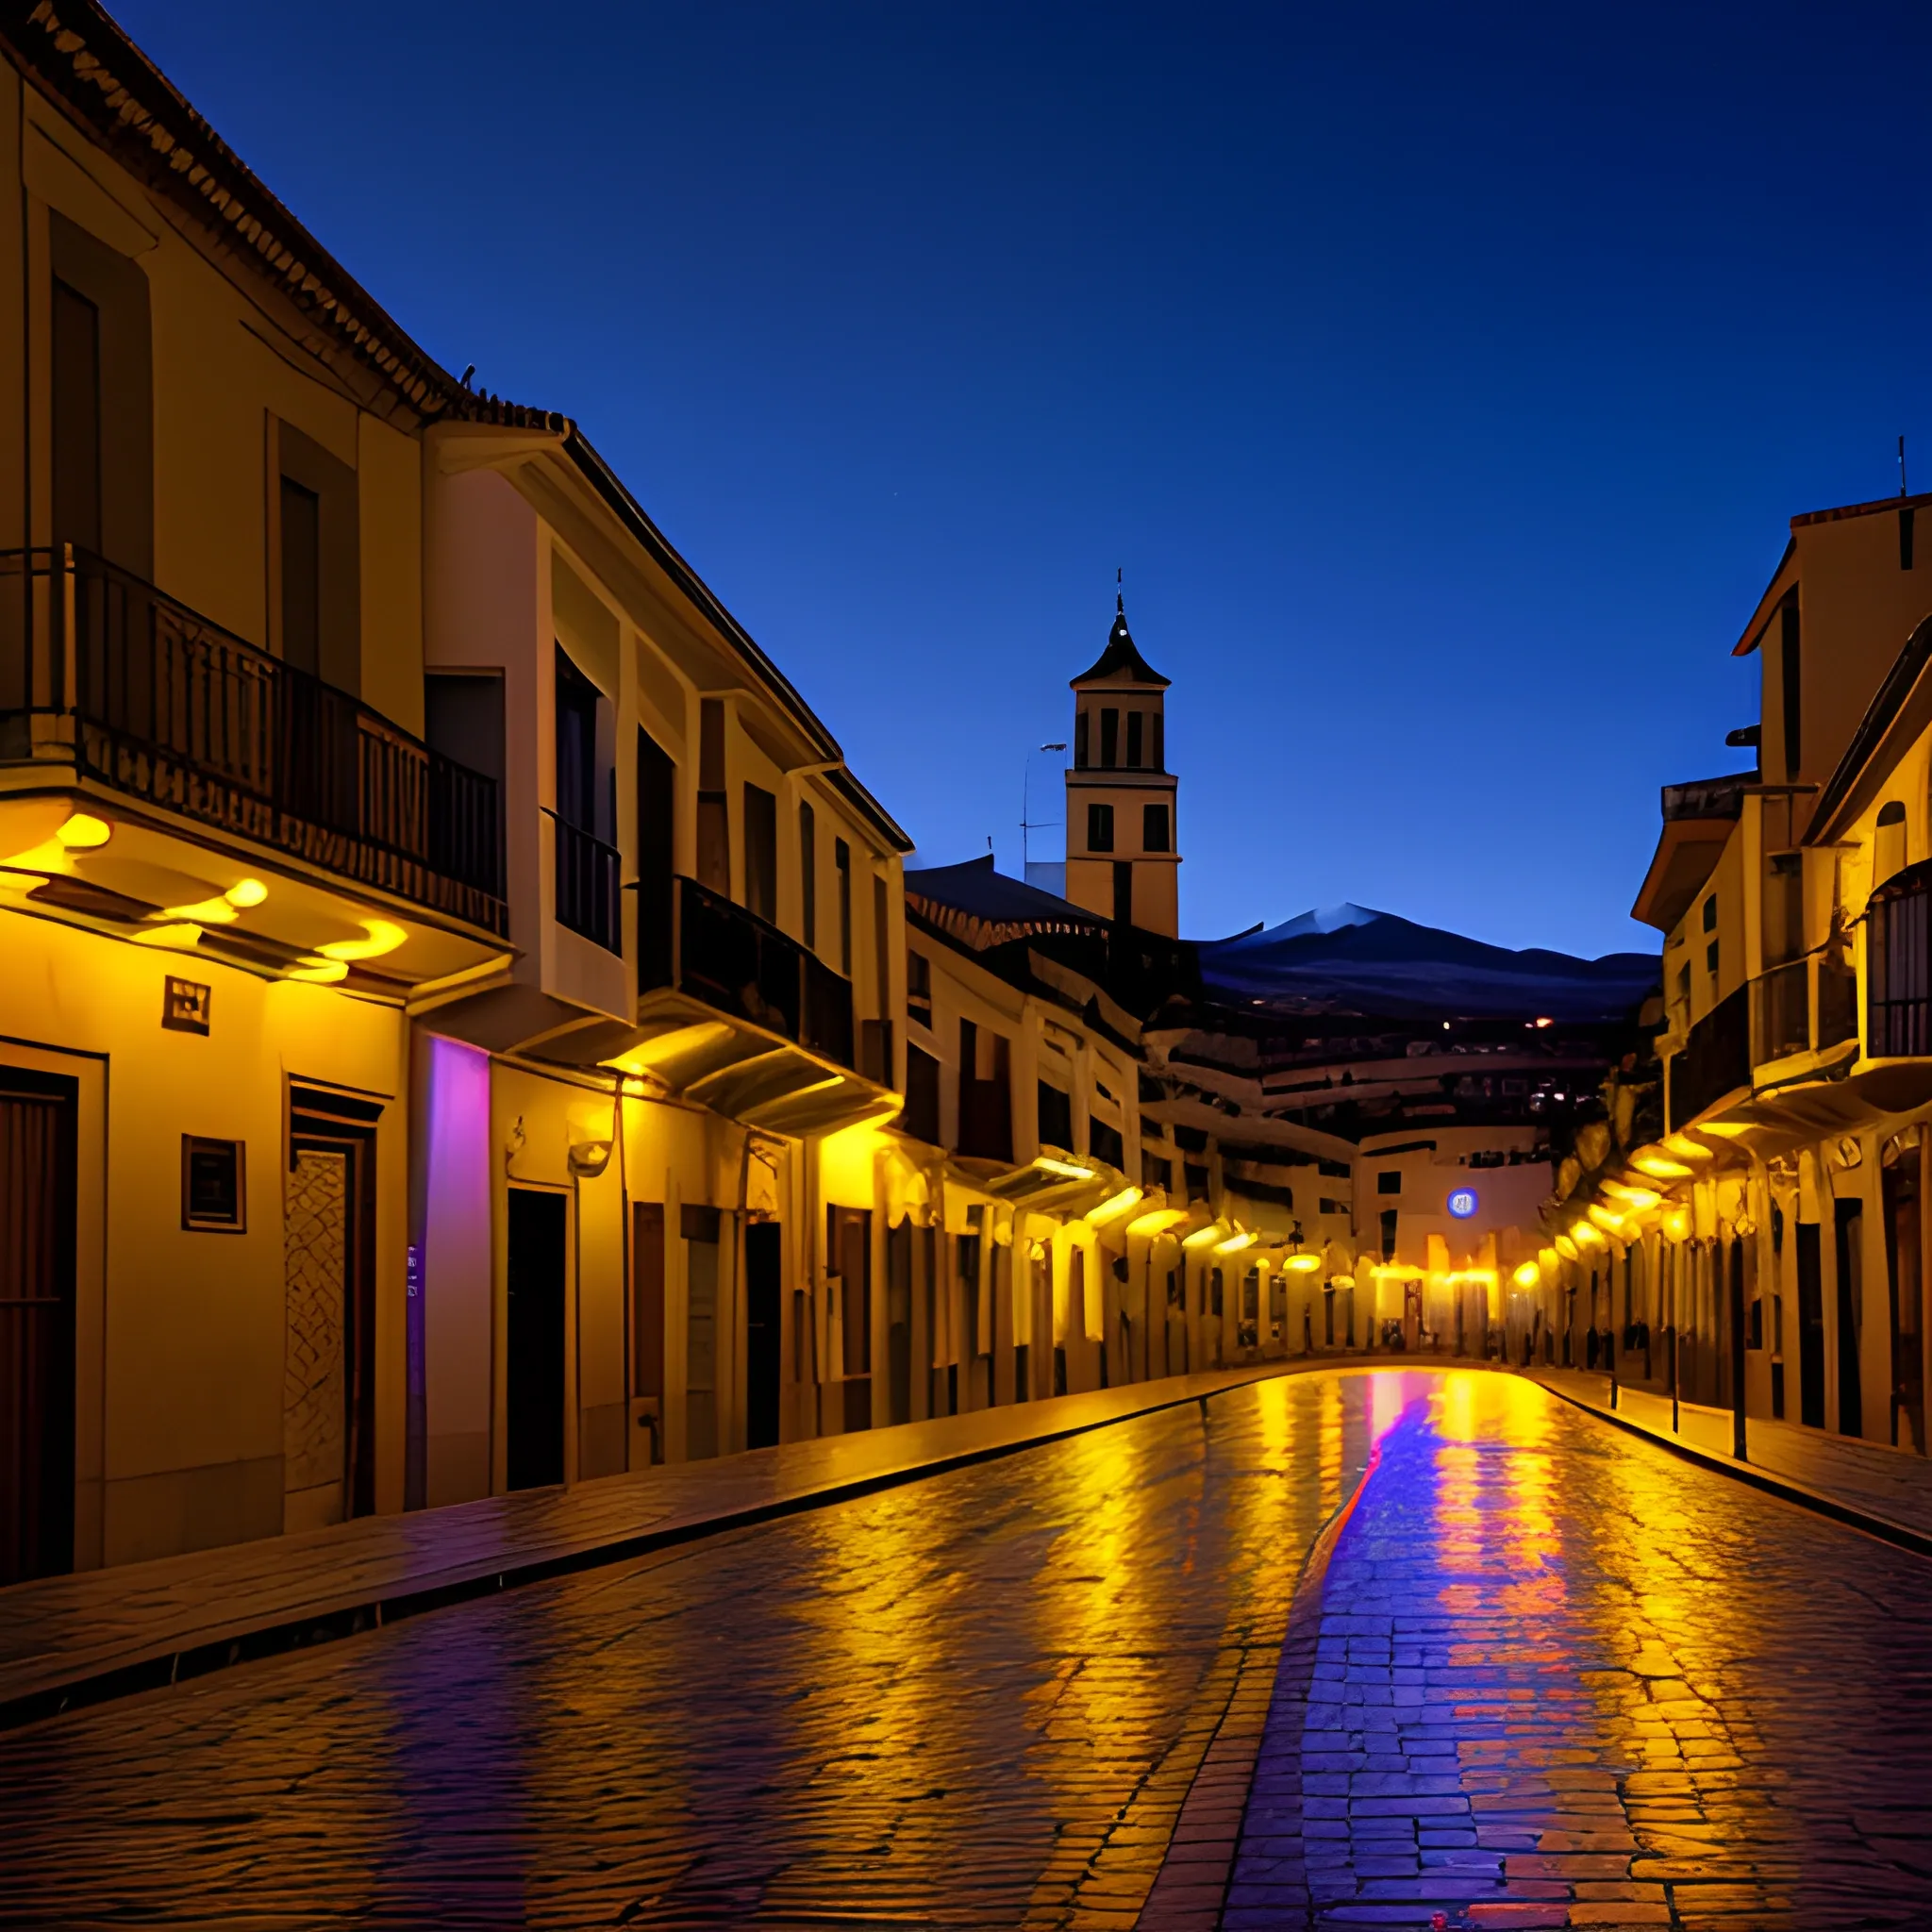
1119	596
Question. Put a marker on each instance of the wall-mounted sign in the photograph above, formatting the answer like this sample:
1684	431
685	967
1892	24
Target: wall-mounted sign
1463	1203
214	1198
184	1006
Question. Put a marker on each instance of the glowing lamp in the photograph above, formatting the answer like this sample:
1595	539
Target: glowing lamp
1685	1148
1528	1276
1157	1220
1611	1224
179	934
83	832
1302	1264
1566	1247
1065	1169
1636	1199
1660	1168
1236	1243
382	937
1112	1209
1206	1237
1677	1224
318	972
246	892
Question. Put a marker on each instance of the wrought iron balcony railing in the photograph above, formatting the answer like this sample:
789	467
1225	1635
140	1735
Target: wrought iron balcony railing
735	961
1898	958
1715	1060
586	884
141	694
1802	1007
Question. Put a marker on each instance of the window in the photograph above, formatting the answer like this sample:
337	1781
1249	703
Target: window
1154	829
919	988
212	1196
1389	1181
1136	728
1154	1171
1332	1170
1710	957
714	813
76	418
103	399
1105	1143
656	859
808	875
1889	848
1389	1234
1110	738
1156	759
841	864
1100	828
317	586
301	577
1055	1118
761	853
577	745
1082	719
1791	677
1327	1207
921	1116
1710	913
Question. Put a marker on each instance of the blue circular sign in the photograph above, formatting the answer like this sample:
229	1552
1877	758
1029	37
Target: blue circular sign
1463	1203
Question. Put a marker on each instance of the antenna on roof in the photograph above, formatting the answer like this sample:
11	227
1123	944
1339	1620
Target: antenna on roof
1119	596
1902	466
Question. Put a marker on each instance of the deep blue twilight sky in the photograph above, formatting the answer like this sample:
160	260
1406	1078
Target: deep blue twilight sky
1443	378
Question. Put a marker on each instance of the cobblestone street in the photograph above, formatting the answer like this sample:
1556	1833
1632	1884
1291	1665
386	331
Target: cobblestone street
1545	1674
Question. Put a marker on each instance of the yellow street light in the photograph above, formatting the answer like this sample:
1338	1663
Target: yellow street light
383	937
1111	1209
1566	1247
82	832
1302	1264
1207	1236
1236	1243
1528	1276
1636	1199
1157	1220
1659	1167
1065	1169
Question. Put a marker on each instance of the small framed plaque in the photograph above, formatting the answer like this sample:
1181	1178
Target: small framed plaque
186	1005
215	1193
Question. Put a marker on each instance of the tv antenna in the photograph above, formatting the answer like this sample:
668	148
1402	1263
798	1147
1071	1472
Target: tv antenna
1027	823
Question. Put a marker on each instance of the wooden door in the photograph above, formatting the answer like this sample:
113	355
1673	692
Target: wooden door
36	1298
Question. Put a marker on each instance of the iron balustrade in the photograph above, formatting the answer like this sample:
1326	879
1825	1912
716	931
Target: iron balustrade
1898	955
747	969
1803	1005
147	696
587	879
1715	1060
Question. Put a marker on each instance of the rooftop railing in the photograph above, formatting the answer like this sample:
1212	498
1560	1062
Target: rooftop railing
144	695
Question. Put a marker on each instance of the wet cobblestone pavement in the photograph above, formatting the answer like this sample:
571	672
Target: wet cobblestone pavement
974	1701
1549	1676
1557	1678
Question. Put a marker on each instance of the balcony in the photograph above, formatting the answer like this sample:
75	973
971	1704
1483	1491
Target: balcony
1898	955
587	886
734	961
1806	1005
99	670
1716	1060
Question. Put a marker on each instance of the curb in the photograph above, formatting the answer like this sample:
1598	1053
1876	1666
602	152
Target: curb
1901	1536
170	1666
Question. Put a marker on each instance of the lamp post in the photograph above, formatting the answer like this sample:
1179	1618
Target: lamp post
1027	823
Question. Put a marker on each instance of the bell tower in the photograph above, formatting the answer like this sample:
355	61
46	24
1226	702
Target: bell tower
1121	860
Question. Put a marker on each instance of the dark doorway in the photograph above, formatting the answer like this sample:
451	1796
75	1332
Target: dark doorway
37	1292
328	1414
647	1319
537	1249
1810	1253
762	1316
848	1243
1850	1219
1124	890
899	1321
1906	1292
